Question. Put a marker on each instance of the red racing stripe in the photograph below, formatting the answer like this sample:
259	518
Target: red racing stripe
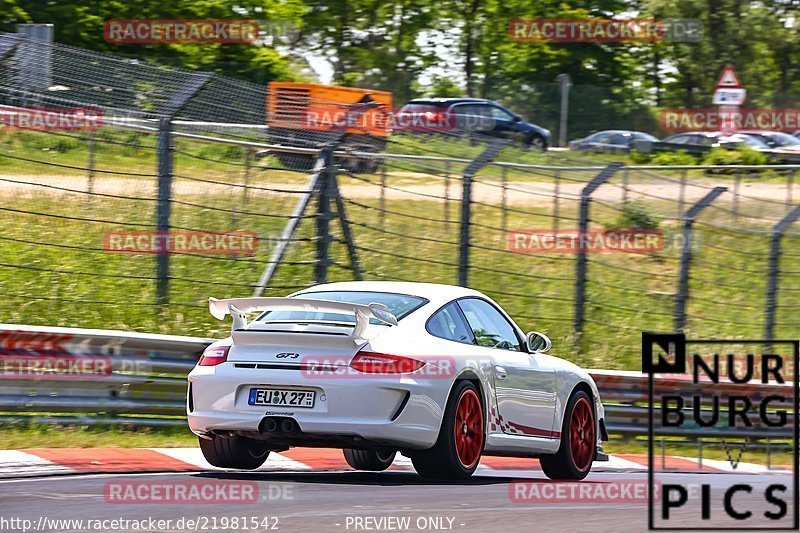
111	459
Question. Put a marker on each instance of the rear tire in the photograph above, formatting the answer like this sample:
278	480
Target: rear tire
371	460
578	448
234	452
458	449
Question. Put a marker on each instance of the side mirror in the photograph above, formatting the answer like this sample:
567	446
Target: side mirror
538	342
516	118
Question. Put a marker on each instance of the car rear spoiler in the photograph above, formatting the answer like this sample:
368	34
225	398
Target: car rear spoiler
239	307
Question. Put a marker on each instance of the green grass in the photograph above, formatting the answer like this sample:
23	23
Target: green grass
55	270
17	437
779	456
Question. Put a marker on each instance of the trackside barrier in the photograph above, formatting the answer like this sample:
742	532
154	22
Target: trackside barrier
90	376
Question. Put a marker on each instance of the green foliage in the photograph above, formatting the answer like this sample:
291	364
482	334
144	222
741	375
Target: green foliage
741	156
634	216
640	158
674	158
454	47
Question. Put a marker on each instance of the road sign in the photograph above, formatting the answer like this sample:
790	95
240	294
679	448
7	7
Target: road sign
728	79
725	96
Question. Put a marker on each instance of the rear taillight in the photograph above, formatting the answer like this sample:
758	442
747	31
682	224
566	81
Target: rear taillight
214	356
381	363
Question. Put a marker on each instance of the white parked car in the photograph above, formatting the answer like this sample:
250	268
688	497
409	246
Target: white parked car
438	373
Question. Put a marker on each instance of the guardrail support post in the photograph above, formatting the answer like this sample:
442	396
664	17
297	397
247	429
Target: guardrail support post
478	163
773	271
583	226
682	295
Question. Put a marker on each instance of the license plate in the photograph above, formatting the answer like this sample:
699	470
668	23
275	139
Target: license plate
282	397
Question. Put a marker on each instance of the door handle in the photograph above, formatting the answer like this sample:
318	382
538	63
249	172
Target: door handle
500	372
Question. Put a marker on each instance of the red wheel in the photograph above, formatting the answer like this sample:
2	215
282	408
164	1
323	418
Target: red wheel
458	449
468	429
578	441
581	434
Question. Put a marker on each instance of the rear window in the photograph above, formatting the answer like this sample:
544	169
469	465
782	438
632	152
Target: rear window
400	306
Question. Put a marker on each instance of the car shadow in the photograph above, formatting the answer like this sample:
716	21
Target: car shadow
390	478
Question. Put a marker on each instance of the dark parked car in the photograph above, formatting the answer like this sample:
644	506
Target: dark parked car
470	114
614	141
715	139
777	140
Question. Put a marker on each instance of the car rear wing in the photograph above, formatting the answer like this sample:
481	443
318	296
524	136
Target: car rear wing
239	307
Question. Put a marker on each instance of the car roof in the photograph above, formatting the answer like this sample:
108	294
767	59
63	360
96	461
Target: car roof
435	292
447	101
615	131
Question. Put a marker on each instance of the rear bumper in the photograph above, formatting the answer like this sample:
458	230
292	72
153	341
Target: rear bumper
383	410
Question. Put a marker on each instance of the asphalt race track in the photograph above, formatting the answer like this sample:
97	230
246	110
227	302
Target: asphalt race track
336	500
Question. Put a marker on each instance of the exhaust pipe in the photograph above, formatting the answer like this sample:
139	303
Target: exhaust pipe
288	425
269	425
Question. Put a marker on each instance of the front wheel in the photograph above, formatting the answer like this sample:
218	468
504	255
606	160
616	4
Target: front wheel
234	452
536	142
372	460
458	449
578	441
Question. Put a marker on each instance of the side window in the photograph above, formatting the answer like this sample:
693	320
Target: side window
619	138
448	323
601	137
680	139
490	328
501	114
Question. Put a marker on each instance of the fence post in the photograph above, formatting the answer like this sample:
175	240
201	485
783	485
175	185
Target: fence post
446	193
682	194
625	185
556	194
789	185
773	271
583	226
682	296
504	199
478	163
382	202
324	215
163	207
287	236
90	177
167	112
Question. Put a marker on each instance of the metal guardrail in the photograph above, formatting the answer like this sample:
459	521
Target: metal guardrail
140	379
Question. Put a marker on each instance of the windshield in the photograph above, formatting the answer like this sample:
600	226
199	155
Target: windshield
400	305
783	139
752	142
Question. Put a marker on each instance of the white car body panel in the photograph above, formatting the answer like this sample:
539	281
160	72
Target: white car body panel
523	412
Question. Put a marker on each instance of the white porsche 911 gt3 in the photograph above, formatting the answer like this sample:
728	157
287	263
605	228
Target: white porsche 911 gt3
437	372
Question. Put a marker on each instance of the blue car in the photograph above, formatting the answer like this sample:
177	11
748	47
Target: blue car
470	114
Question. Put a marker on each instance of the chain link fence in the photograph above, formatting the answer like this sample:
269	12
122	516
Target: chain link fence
180	189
